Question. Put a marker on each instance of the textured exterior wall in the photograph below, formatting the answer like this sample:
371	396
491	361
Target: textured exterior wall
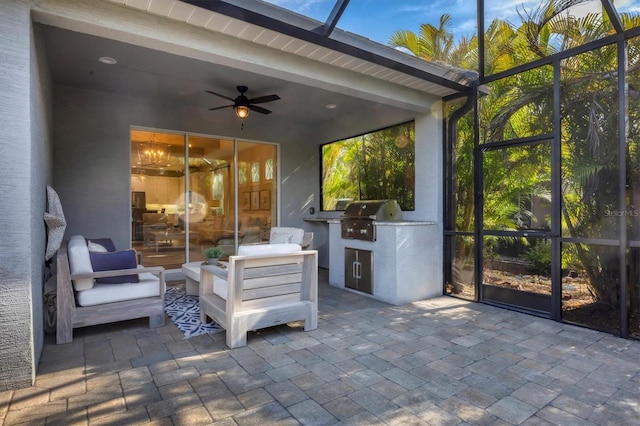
429	170
21	249
92	150
92	155
41	175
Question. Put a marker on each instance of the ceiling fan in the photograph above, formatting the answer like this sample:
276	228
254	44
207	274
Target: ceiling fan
242	105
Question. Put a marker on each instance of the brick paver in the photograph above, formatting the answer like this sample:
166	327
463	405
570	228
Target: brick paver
434	362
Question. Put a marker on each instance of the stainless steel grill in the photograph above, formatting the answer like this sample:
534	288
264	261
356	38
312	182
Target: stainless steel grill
358	221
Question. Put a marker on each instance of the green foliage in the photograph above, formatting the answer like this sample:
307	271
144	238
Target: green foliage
521	106
374	166
213	252
540	257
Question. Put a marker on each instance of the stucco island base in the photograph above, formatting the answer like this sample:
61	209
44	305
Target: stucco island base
407	260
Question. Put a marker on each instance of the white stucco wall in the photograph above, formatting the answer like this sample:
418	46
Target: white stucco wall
25	168
429	170
92	174
430	190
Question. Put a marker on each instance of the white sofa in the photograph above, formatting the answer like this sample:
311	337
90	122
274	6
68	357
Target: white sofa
131	291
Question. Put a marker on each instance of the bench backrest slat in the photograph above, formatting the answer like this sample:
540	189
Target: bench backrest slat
267	280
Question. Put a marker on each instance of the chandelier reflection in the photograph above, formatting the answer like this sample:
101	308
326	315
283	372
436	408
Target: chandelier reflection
153	154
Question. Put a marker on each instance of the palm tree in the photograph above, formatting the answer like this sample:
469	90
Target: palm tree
521	106
432	44
337	179
378	165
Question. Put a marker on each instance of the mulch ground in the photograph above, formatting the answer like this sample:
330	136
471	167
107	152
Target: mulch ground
579	304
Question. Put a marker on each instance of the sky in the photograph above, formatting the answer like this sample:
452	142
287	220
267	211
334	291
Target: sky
378	19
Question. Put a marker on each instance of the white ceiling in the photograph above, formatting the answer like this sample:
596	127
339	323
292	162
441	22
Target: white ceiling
160	76
155	74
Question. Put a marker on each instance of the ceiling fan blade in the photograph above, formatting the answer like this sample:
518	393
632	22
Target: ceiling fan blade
259	109
218	94
263	99
226	106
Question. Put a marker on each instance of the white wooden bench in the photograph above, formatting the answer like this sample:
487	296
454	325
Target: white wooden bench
254	292
70	316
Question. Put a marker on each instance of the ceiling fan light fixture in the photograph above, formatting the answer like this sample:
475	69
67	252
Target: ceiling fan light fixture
243	105
242	111
107	60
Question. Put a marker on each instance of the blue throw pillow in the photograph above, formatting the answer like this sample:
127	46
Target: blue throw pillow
125	259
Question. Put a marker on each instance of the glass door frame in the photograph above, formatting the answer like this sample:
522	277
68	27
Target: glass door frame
546	307
186	187
536	303
236	193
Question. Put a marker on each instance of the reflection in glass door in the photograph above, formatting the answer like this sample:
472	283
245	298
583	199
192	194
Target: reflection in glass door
210	201
187	199
257	197
157	188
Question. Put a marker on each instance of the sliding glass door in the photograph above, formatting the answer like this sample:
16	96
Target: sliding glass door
257	194
157	192
190	192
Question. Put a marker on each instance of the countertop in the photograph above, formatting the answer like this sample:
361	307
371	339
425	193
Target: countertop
318	219
393	222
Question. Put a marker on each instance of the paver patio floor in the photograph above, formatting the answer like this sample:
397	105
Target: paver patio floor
437	362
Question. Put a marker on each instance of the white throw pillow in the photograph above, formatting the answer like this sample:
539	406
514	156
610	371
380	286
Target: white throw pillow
280	238
283	235
95	247
267	249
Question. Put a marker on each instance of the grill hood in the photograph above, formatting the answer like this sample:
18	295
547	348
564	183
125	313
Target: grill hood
380	210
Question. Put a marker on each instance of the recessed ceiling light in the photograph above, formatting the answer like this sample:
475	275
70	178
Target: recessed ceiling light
330	106
107	60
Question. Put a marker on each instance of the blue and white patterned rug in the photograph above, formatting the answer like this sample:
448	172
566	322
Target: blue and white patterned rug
184	311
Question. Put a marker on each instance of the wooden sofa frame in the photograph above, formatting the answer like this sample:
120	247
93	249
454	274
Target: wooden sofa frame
70	316
262	291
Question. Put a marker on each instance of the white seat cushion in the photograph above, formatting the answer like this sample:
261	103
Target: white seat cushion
107	293
220	287
80	262
192	270
267	249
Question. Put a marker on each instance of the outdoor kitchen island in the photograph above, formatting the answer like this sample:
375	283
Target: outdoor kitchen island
404	261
